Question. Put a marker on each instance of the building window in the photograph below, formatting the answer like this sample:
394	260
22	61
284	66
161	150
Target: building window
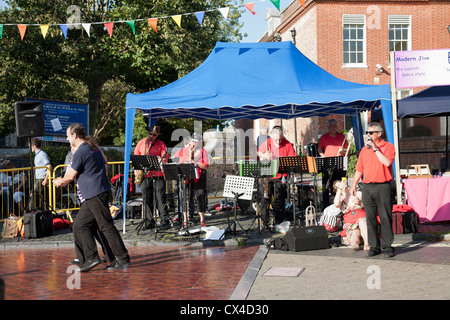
399	33
354	40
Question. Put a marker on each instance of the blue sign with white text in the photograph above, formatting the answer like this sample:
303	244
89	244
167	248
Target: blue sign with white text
58	115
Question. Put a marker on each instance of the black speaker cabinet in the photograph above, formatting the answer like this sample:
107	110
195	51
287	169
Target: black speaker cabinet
29	119
307	238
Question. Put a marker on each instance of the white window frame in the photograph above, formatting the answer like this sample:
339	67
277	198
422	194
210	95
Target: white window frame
352	19
400	20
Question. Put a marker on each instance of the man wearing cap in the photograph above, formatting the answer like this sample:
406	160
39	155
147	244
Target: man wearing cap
154	147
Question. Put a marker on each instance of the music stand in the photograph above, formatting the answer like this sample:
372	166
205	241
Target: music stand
258	169
146	163
238	188
181	172
291	165
330	165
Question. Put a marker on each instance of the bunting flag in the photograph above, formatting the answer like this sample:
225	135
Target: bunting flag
153	22
224	12
276	3
44	29
250	6
200	16
109	27
177	19
302	2
132	26
22	29
87	28
64	28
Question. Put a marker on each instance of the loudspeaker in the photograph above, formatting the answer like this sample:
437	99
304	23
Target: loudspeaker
307	238
29	119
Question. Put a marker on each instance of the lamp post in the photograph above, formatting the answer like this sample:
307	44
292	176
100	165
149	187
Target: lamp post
293	34
297	150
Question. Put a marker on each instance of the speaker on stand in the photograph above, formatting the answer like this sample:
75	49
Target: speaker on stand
29	119
29	123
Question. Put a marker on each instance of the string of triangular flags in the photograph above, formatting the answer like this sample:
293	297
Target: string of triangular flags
153	22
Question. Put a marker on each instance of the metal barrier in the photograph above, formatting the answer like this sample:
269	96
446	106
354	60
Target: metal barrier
16	188
65	200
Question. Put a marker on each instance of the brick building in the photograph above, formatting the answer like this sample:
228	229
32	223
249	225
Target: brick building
349	38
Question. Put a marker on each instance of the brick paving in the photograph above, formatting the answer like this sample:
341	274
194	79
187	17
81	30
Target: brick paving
166	267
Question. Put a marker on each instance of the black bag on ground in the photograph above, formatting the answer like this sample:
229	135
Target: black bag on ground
38	224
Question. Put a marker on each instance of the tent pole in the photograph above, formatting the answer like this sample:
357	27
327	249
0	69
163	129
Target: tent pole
398	183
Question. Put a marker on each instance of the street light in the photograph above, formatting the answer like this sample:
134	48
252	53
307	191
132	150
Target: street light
293	34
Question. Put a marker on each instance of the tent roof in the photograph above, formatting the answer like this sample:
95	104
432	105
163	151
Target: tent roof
433	101
257	80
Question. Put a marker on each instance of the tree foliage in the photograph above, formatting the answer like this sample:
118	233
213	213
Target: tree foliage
99	69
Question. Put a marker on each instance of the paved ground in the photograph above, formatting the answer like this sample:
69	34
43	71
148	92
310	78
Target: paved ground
168	266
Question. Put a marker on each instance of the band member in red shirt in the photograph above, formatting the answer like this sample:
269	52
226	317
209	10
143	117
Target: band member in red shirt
331	144
154	147
194	153
276	146
374	165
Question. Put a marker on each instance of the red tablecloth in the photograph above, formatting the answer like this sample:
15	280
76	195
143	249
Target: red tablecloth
430	198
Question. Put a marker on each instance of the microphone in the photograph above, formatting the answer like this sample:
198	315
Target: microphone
369	139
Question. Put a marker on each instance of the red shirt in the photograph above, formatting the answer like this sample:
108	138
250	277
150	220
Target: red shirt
158	149
201	157
331	145
285	149
371	168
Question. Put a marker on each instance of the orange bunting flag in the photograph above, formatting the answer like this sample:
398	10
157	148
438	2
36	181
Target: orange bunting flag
109	26
177	19
250	6
153	22
302	2
22	29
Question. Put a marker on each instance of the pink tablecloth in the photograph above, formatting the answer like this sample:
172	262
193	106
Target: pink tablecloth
430	198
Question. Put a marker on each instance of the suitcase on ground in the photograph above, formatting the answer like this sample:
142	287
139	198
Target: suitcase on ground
410	222
38	224
409	218
397	222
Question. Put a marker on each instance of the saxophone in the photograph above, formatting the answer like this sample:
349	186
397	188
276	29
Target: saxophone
139	174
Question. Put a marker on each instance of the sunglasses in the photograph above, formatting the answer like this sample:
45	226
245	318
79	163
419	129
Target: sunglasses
371	132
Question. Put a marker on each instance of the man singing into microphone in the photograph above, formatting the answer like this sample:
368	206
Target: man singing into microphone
154	147
375	166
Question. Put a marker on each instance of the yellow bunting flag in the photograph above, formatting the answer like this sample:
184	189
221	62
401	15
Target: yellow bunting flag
177	19
22	29
109	26
44	29
153	23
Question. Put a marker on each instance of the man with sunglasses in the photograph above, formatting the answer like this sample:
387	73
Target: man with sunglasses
154	147
374	166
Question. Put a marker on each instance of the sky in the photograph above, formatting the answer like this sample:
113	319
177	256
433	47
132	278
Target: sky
254	25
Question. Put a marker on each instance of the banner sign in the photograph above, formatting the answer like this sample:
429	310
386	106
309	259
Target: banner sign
58	115
422	68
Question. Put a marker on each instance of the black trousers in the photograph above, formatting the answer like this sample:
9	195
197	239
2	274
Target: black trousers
94	215
147	187
377	198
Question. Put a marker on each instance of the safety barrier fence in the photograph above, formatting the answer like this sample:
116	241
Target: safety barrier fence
17	186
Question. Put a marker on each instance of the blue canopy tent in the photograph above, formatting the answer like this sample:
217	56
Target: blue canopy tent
258	80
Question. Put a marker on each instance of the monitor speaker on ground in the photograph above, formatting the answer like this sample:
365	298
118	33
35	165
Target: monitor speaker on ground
29	119
307	238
